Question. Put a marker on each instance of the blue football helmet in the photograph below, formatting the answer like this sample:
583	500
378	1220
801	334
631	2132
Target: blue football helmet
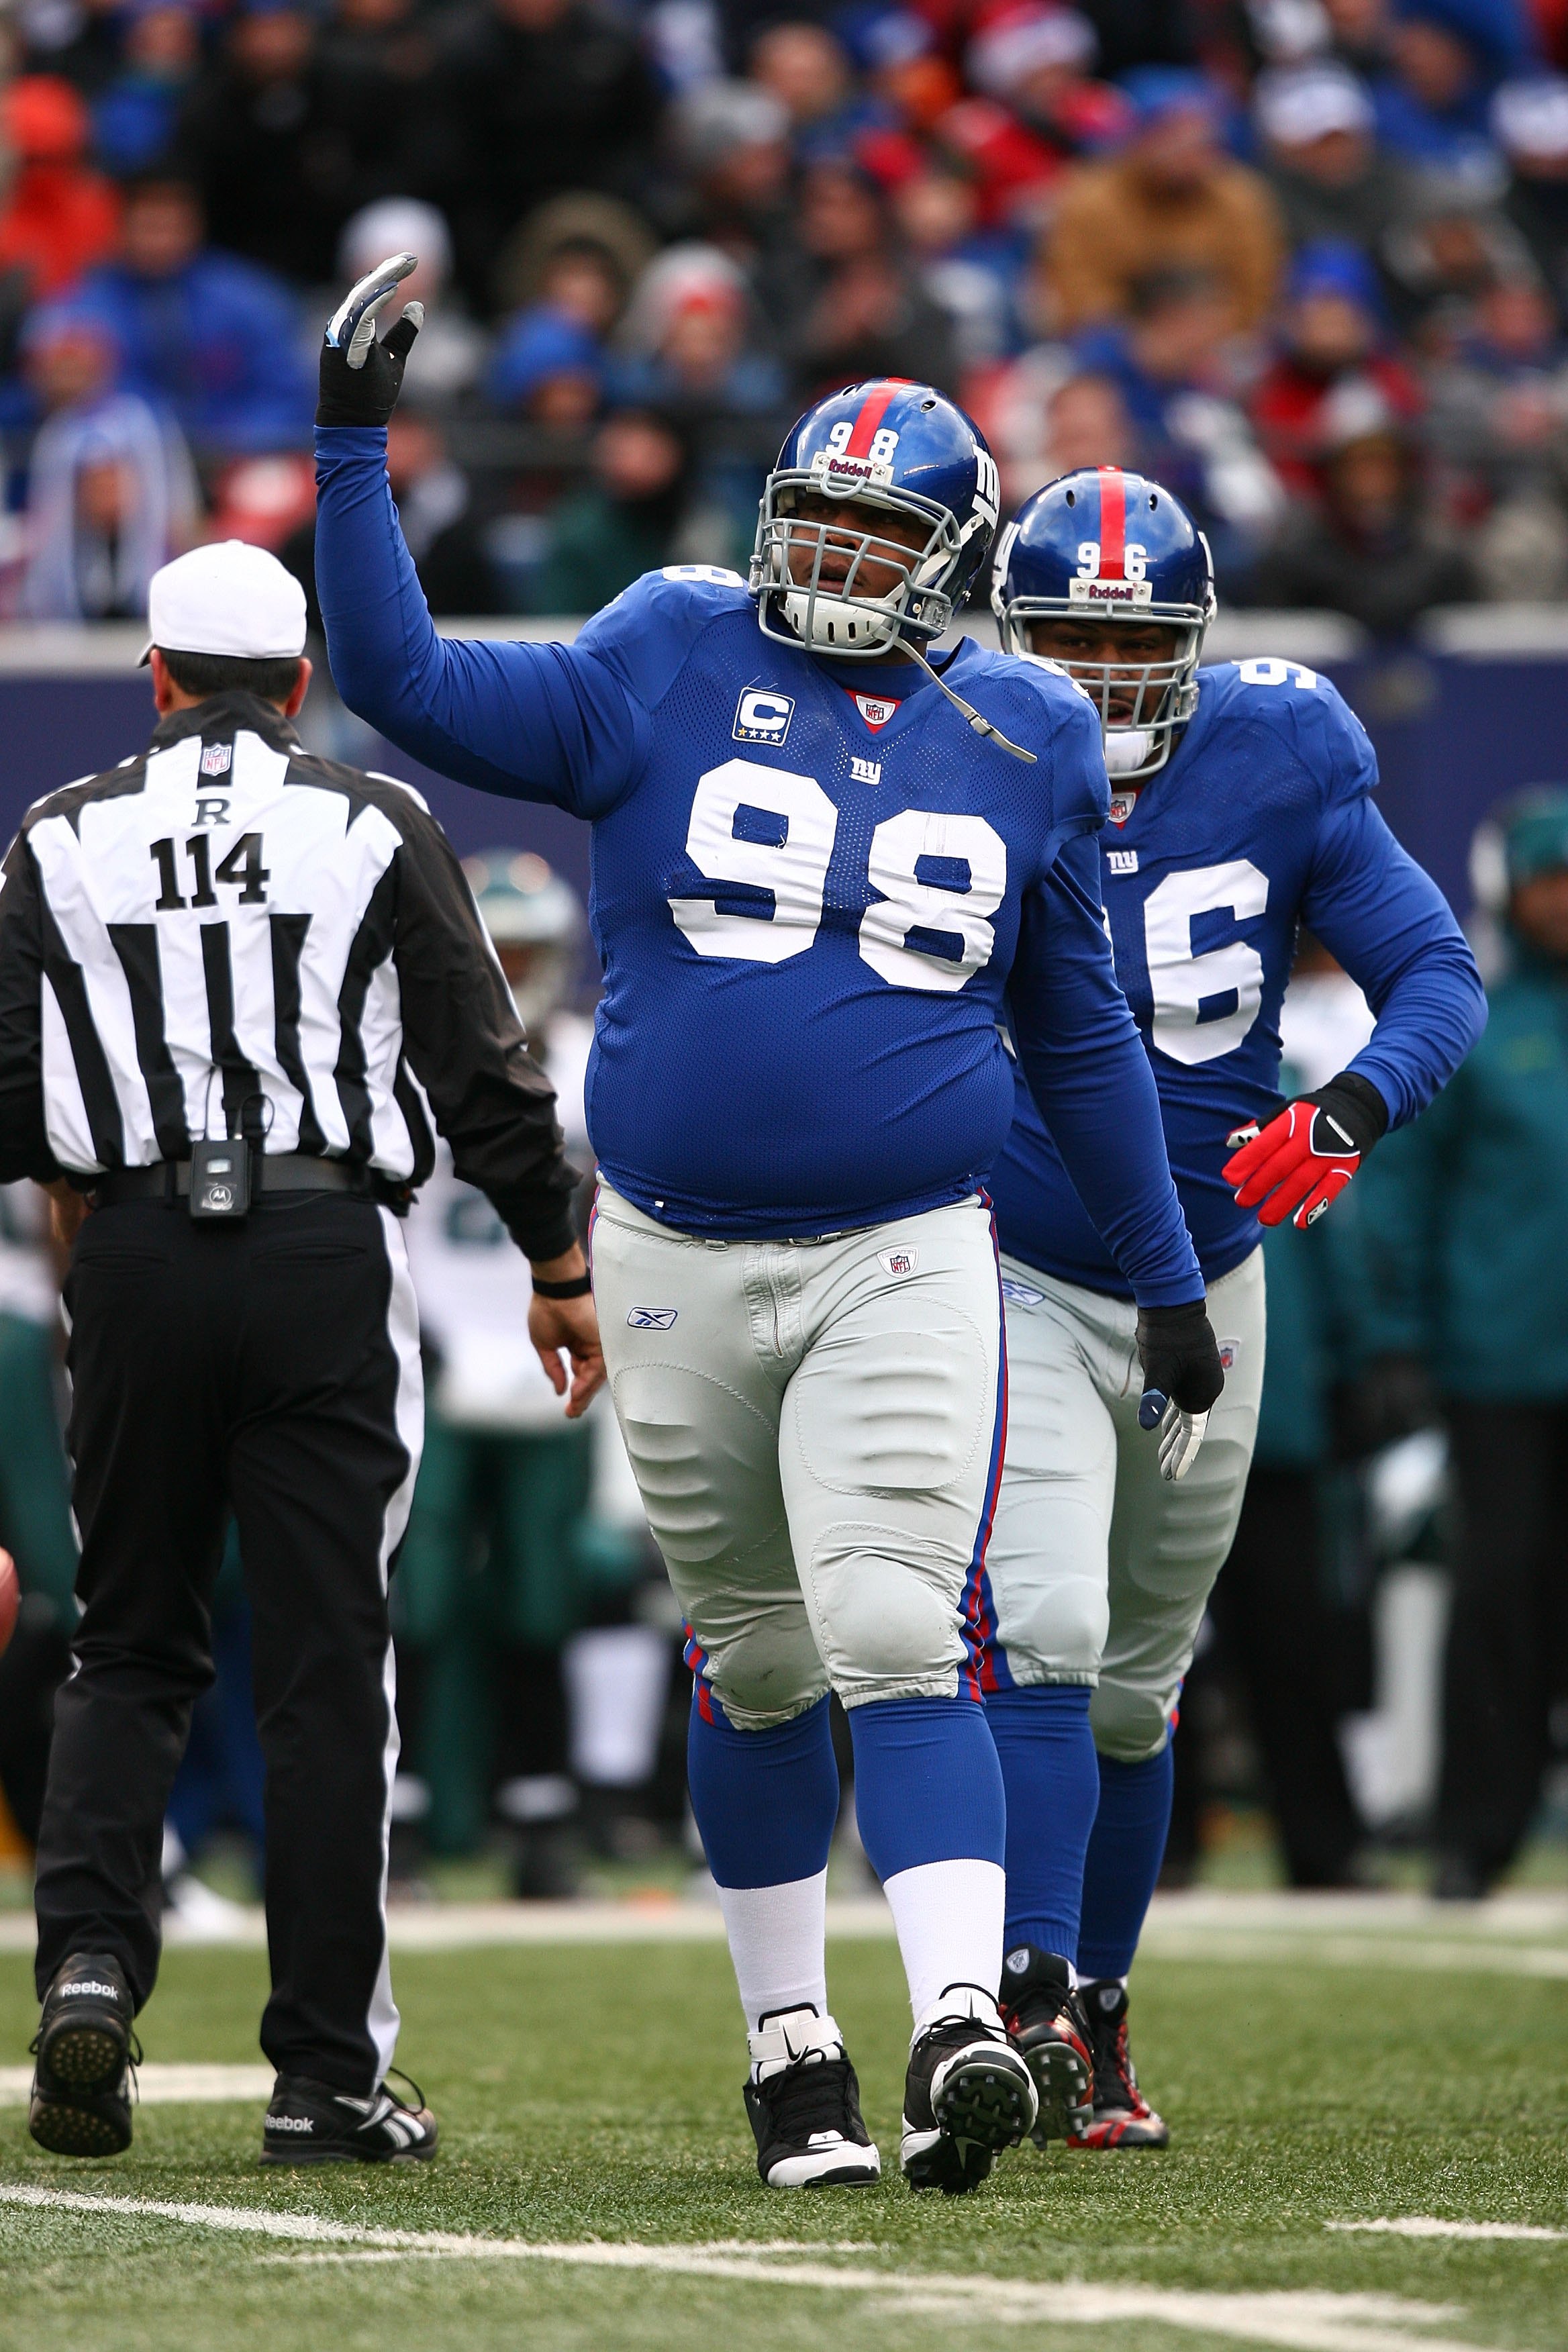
1112	546
903	446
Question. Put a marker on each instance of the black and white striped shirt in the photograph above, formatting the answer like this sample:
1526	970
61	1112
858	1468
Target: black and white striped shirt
229	936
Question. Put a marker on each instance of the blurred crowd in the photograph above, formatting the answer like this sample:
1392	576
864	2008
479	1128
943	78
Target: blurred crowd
1306	260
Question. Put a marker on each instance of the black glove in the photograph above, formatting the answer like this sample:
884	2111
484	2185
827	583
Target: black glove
1180	1356
1183	1376
361	378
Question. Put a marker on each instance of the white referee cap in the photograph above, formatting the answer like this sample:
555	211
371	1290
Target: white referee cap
228	598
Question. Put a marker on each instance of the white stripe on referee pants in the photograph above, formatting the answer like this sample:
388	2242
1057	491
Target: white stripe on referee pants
403	1330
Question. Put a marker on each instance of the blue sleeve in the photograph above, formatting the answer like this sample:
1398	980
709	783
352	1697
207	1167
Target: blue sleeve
1395	934
1087	1069
534	722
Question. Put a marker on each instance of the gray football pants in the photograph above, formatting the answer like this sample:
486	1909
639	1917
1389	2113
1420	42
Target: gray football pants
814	1428
1098	1567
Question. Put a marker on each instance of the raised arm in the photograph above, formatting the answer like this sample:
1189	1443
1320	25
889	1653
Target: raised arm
534	722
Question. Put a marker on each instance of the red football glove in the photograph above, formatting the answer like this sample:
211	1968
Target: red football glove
1303	1159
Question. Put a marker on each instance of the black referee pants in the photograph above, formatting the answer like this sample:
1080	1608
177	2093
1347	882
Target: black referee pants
273	1370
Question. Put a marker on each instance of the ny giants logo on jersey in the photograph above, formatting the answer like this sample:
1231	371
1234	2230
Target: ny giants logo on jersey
761	715
1121	861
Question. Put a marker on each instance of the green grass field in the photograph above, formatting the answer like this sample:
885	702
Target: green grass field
589	2098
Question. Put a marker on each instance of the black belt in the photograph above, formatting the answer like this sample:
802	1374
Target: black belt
282	1172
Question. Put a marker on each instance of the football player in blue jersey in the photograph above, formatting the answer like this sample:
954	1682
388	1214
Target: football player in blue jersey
822	871
1240	807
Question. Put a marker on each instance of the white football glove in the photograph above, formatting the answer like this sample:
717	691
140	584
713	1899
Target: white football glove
1181	1434
352	327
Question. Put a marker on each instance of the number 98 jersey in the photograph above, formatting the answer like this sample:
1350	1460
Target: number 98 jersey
1260	820
808	886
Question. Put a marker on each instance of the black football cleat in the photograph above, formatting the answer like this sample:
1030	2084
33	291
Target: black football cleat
86	2052
1122	2116
967	2094
311	2123
1045	2021
803	2101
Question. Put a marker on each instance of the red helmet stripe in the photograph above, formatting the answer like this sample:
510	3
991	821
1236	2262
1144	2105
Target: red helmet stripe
1112	522
872	410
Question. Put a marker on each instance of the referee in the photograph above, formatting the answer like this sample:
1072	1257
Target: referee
237	983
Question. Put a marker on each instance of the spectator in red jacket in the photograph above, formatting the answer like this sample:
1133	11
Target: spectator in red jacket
60	216
1333	330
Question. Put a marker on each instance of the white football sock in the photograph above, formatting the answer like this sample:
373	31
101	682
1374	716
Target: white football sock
949	1917
778	1941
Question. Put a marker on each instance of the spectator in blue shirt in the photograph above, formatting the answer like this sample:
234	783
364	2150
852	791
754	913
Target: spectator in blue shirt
212	338
1449	57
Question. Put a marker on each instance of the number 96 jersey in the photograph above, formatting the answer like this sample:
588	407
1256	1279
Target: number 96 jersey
810	881
1261	819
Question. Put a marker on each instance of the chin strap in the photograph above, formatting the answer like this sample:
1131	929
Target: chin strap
966	710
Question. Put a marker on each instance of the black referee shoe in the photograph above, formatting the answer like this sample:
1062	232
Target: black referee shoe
86	2051
310	2123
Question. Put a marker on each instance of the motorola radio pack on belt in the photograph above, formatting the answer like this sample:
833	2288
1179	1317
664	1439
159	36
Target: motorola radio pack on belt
220	1179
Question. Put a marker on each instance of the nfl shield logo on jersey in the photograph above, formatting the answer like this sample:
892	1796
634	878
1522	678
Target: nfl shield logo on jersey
761	715
876	709
898	1261
216	759
1121	806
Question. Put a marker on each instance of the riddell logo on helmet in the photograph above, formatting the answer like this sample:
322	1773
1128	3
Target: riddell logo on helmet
1110	592
832	464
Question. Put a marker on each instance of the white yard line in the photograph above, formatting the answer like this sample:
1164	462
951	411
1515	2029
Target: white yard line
1282	1948
1299	2321
1428	2225
164	2086
1386	1930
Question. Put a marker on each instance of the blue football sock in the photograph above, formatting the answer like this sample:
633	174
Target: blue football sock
1051	1774
1124	1857
767	1803
928	1787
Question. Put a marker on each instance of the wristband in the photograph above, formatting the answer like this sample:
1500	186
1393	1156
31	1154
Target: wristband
578	1287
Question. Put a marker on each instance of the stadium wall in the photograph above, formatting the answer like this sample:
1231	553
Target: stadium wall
1475	708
